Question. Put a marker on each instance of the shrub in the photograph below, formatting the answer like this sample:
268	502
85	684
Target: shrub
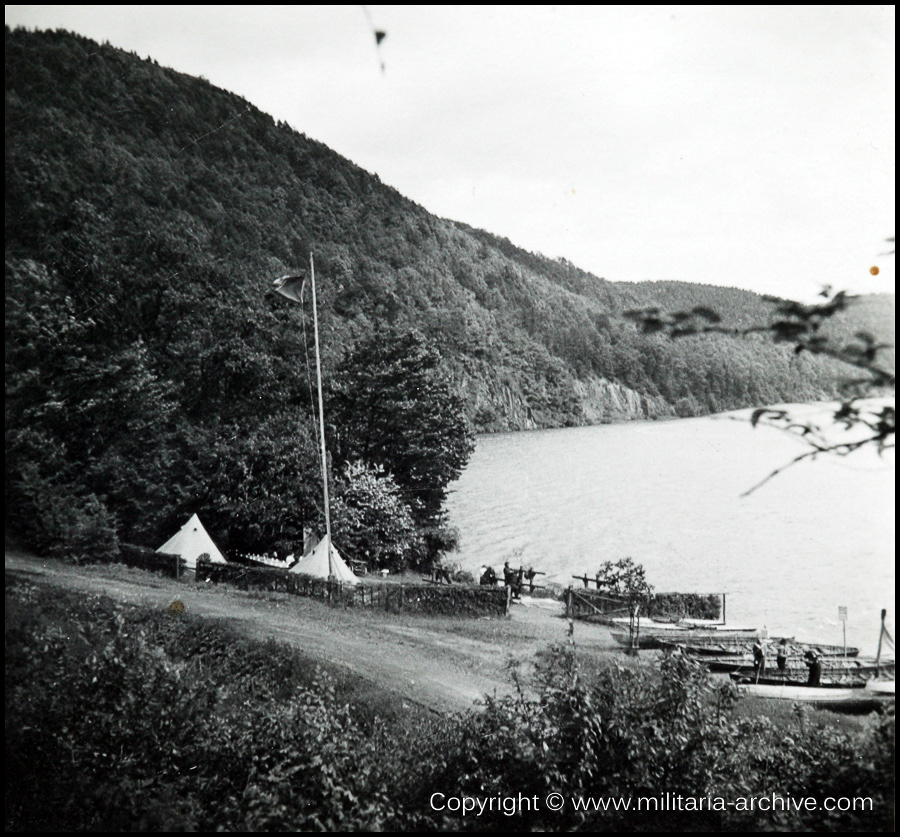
60	521
675	606
631	733
108	730
120	718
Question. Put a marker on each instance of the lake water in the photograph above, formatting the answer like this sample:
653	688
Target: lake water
668	494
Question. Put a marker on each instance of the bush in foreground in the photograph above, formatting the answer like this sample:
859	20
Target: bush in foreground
120	718
660	735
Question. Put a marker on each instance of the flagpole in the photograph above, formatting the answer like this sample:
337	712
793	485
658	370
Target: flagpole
312	273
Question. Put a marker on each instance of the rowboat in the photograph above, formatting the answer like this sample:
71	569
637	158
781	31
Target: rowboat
843	699
709	646
688	629
664	634
861	667
881	686
847	681
871	693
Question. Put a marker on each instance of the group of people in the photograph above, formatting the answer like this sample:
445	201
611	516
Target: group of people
514	579
511	578
812	658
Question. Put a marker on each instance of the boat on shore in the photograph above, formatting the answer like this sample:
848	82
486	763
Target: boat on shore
860	695
658	635
839	681
826	697
881	686
708	646
861	667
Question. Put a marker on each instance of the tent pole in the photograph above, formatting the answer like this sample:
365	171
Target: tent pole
312	273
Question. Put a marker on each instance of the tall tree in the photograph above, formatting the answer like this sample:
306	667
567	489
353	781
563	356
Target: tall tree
392	407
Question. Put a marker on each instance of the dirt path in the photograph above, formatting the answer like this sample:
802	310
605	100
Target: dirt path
443	663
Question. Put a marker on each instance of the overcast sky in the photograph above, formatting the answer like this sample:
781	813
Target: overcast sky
750	146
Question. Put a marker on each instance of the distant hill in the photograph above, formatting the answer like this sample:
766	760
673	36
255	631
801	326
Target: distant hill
153	184
147	213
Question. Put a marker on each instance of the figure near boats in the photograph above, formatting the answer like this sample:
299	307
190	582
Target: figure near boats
759	657
814	661
781	655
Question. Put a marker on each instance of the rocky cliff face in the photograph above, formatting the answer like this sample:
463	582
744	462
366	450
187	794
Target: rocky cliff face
605	401
500	404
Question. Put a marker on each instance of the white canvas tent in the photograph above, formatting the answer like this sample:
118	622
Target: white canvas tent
316	563
191	541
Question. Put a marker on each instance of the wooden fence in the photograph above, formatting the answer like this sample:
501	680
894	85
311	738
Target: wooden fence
597	606
147	559
433	599
593	606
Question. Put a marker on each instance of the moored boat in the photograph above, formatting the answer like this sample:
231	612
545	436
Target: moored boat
662	634
864	694
881	686
840	681
845	699
715	647
862	667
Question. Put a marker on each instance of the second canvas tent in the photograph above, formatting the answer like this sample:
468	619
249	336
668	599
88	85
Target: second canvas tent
315	563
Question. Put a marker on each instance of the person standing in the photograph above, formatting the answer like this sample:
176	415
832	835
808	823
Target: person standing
781	656
814	661
759	657
509	574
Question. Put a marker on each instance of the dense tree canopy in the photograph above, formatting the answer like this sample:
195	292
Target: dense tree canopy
392	407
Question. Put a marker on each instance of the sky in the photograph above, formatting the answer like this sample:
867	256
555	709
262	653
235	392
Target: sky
745	146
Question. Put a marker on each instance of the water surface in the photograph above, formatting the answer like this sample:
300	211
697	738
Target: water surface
668	494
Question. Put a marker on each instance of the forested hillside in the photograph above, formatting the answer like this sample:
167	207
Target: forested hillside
149	372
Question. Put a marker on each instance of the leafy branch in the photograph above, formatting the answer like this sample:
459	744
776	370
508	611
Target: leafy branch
878	431
801	325
624	578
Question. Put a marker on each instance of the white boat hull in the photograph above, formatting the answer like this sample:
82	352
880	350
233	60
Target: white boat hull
832	698
880	687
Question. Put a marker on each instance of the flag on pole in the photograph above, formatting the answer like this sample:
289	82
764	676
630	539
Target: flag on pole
290	287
